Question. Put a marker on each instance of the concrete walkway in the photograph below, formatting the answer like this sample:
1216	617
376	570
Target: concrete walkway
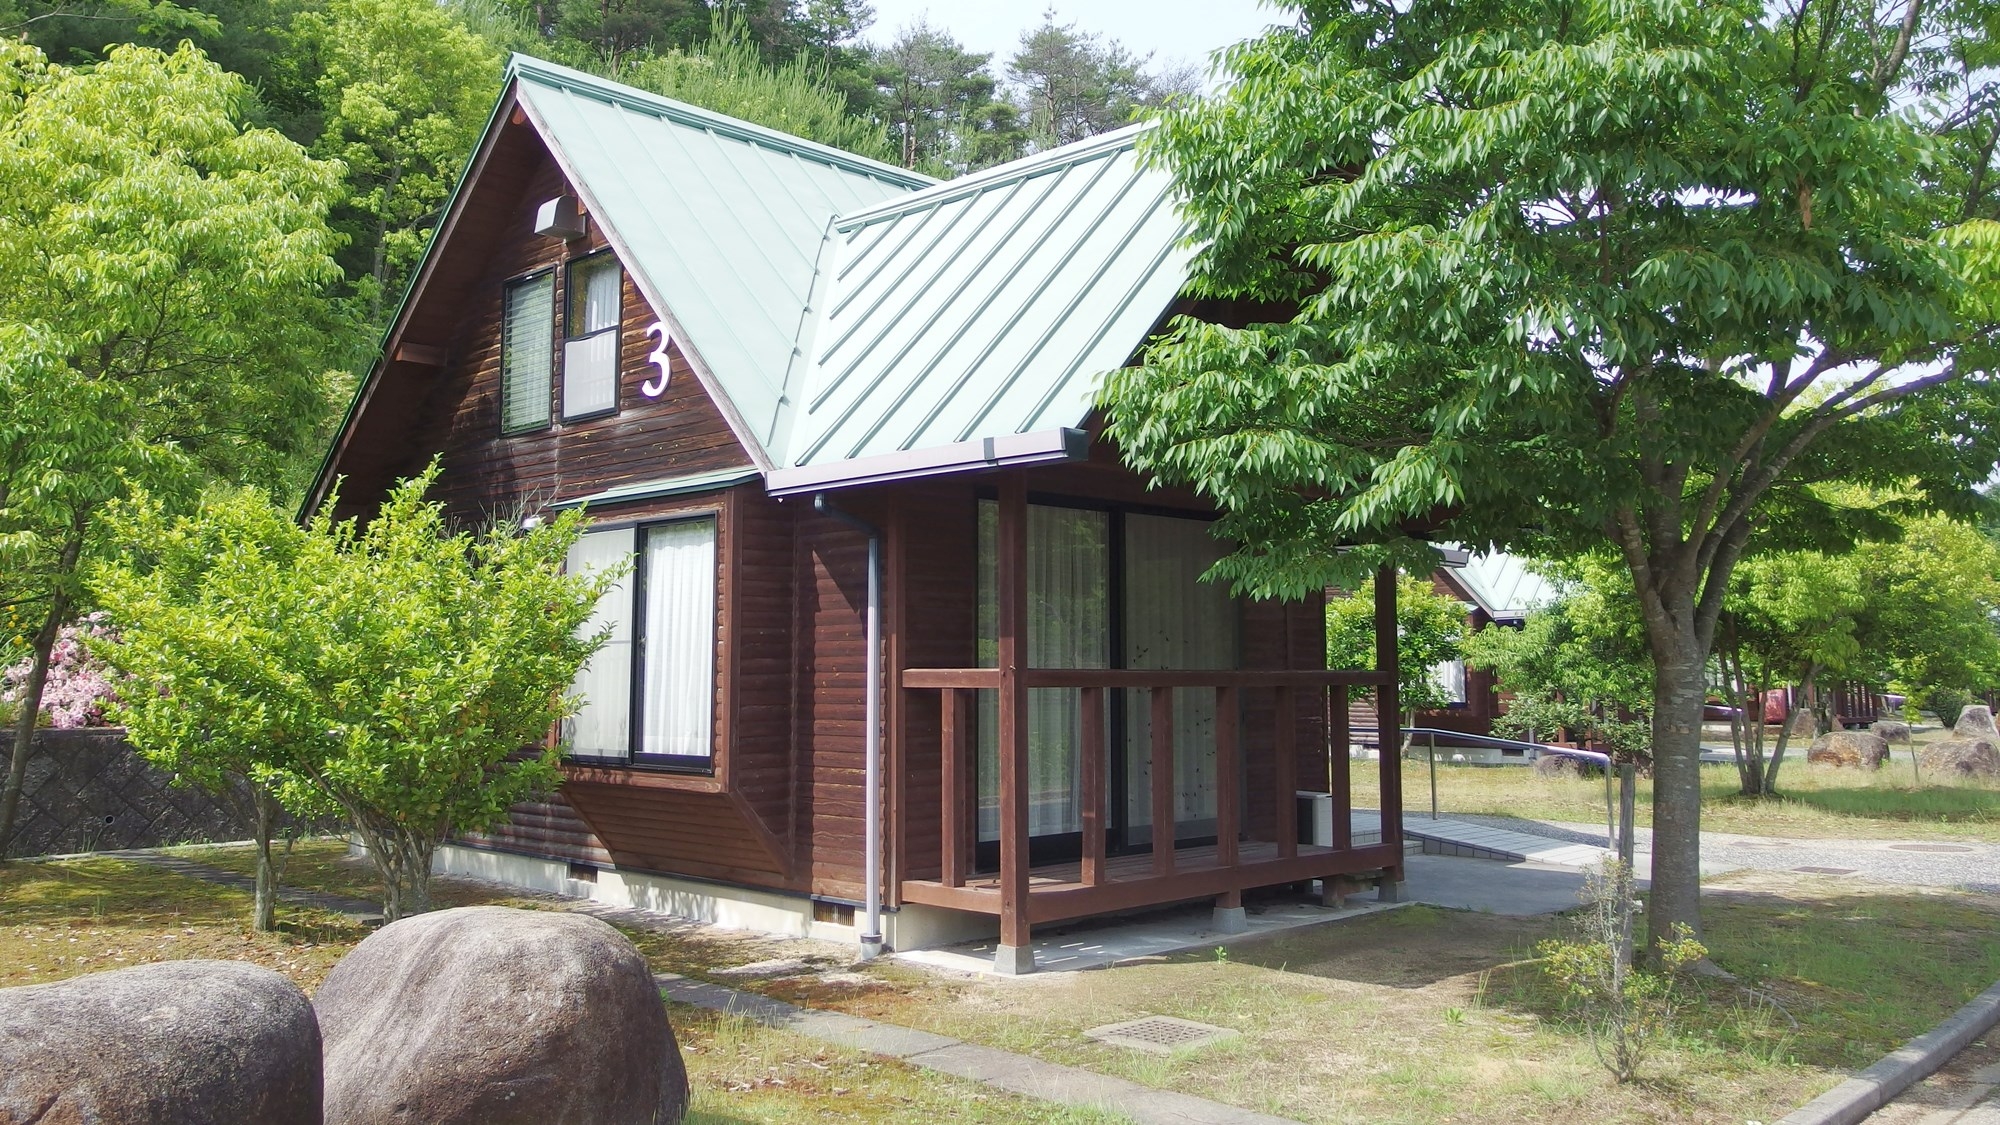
1001	1070
1484	841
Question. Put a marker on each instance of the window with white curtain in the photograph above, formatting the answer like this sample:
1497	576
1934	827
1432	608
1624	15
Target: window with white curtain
662	647
602	727
590	345
677	645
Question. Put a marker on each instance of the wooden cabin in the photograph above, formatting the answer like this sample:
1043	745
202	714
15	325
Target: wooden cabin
903	646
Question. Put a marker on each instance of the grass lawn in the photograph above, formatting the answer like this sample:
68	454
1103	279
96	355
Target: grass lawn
1816	802
64	919
1421	1015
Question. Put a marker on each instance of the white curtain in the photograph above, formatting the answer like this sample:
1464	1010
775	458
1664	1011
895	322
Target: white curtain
1174	620
601	291
602	727
1069	585
679	644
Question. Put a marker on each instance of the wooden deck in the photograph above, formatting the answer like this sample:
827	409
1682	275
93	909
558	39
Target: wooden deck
1057	891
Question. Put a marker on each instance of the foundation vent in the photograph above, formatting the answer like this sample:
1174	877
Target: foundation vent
1160	1035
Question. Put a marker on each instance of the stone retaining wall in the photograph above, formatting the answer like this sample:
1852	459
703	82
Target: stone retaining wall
89	791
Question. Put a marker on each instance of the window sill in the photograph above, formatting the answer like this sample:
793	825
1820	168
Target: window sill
640	775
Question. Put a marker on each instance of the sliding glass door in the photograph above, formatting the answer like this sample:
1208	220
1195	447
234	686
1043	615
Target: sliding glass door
1106	588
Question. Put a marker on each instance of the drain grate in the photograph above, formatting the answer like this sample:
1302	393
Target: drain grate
1825	870
1161	1035
1954	848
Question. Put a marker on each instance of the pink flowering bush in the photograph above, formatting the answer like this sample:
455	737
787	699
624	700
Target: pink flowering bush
79	684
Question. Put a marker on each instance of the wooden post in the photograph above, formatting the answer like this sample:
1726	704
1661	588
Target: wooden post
1389	720
1228	771
952	775
1285	745
1092	765
1340	782
1014	954
1163	780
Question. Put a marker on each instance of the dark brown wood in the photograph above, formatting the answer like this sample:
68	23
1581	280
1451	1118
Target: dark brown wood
1389	711
1149	678
1012	580
424	355
1286	751
1342	783
1057	893
955	776
951	677
1163	780
1091	763
1228	776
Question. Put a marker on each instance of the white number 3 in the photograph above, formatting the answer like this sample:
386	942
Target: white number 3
657	386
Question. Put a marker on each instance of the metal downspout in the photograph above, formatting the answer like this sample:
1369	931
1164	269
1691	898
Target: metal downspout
871	928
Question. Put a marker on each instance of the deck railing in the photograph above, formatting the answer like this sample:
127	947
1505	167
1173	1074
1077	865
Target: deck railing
957	688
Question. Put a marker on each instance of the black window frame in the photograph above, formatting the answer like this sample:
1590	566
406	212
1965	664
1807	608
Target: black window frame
563	313
507	290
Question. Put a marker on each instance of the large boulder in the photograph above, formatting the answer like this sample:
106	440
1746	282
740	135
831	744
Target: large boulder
1804	724
486	1015
1976	721
1966	757
1891	730
1857	749
176	1043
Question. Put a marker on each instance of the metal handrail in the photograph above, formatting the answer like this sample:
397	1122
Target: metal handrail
1591	756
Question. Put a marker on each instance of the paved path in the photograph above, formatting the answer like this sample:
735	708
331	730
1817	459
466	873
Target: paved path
1964	864
1002	1070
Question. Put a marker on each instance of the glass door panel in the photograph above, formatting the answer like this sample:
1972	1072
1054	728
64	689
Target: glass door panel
1173	620
1069	607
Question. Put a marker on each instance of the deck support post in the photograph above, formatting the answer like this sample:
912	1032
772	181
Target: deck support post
1015	953
1389	720
1230	917
1340	781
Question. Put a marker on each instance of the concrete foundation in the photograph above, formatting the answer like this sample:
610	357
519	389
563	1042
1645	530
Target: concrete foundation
1014	960
745	908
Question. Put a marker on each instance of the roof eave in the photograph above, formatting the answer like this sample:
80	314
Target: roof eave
1009	451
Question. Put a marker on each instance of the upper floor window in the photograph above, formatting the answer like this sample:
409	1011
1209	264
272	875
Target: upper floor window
590	345
527	353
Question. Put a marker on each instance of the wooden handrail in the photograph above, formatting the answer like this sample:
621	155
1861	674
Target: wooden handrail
1145	678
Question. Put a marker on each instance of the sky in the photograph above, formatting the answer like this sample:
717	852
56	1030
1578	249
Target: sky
1173	30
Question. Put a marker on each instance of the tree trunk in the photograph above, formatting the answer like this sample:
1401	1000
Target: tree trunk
1770	786
30	701
1677	701
264	914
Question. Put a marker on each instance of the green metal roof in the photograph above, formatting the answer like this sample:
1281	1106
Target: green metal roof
981	308
657	489
720	221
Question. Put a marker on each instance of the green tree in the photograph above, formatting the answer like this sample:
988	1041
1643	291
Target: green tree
727	74
405	89
1430	629
940	103
1072	84
207	607
1791	618
396	671
165	318
1615	272
1578	663
1932	621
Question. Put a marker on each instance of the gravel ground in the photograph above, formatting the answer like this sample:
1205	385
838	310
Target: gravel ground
1968	866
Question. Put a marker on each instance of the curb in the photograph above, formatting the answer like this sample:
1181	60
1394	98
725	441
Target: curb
1869	1090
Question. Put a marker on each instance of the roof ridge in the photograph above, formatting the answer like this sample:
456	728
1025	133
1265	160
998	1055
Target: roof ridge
546	73
944	191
